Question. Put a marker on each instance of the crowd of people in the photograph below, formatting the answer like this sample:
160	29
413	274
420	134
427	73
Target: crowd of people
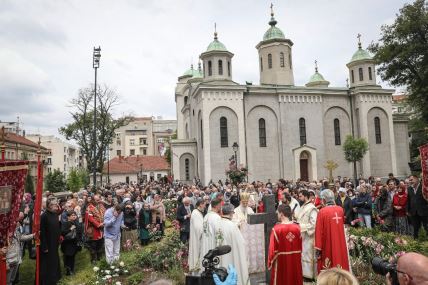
115	217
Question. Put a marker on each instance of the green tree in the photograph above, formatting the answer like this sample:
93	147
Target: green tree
83	176
55	181
82	127
29	185
355	149
168	151
74	182
402	54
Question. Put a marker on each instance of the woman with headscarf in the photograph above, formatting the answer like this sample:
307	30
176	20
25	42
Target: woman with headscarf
384	210
129	231
144	223
399	203
72	233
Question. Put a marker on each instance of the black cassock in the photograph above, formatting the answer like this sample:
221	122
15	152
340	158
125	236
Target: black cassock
50	231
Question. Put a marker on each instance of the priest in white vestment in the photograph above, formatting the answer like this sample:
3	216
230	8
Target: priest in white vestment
253	235
195	239
210	234
230	235
307	218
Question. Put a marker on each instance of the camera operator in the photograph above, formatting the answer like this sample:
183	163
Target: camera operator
411	270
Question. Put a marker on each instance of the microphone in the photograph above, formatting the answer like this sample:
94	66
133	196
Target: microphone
219	250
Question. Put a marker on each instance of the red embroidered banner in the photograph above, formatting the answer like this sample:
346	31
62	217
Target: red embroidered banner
424	165
12	181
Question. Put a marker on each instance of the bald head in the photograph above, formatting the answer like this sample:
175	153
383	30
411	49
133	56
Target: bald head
414	265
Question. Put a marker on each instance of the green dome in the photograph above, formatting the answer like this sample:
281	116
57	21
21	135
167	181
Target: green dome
361	54
216	45
273	33
317	77
195	73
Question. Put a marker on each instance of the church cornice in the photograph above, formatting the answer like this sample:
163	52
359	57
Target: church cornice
274	41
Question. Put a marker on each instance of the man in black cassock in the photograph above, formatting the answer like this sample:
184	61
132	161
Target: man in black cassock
50	231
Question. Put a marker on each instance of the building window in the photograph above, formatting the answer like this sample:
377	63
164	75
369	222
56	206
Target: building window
202	136
370	73
337	132
269	61
360	74
302	131
262	132
261	64
118	142
281	59
158	176
118	152
352	76
289	60
187	168
65	158
131	142
132	152
377	130
223	132
220	67
144	151
228	68
210	68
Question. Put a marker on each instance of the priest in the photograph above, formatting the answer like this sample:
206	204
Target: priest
330	241
285	250
196	230
253	235
230	235
307	218
210	233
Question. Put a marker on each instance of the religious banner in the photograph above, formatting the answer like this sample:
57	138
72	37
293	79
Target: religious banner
12	181
424	165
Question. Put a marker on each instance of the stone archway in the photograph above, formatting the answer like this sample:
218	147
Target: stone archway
305	163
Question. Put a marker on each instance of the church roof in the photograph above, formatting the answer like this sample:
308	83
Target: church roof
195	73
360	54
216	45
316	77
273	32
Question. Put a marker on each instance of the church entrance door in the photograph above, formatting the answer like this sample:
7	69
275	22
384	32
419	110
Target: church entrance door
304	166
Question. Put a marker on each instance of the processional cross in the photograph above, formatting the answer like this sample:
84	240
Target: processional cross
330	165
269	219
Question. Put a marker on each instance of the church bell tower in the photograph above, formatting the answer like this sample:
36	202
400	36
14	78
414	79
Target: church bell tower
275	58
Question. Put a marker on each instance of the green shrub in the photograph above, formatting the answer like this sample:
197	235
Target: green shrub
135	279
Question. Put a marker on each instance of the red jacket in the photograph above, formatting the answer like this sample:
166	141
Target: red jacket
94	218
399	200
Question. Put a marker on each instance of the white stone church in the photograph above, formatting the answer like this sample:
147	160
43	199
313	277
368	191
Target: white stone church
282	130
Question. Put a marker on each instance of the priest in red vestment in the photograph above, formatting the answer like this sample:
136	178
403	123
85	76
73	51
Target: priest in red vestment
285	250
330	241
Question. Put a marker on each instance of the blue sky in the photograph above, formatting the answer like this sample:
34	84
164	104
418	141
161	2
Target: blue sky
46	47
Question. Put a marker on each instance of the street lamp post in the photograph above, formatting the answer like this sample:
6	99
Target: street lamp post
108	166
95	64
235	148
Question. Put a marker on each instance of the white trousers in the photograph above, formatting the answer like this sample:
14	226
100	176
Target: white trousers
112	247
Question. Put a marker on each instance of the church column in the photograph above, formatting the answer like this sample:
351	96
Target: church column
207	143
364	131
280	145
241	130
392	143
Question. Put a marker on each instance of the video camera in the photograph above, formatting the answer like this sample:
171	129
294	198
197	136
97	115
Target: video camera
211	259
382	267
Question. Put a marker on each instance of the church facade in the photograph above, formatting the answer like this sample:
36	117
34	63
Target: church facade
282	130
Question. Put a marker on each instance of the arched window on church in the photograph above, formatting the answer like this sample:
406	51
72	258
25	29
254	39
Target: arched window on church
202	135
377	130
352	76
337	132
262	132
261	64
187	168
210	68
302	131
370	73
220	67
289	61
269	61
185	100
360	74
223	132
228	68
281	59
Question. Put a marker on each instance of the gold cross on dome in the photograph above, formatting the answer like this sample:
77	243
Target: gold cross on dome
271	9
316	65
